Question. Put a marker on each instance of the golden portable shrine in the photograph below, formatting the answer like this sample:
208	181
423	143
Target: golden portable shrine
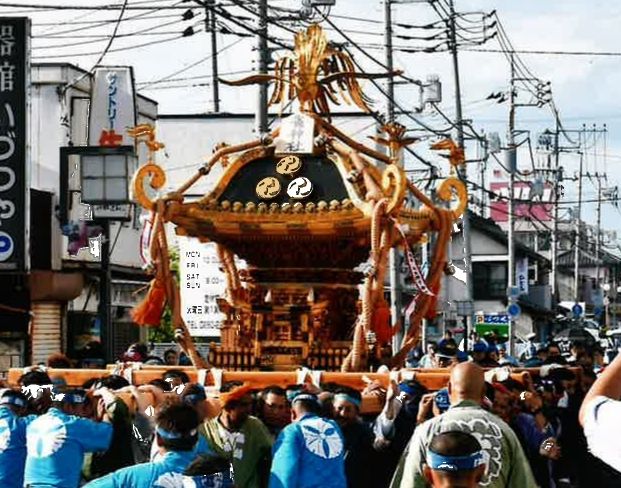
314	213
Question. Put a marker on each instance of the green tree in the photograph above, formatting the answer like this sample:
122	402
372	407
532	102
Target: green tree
165	332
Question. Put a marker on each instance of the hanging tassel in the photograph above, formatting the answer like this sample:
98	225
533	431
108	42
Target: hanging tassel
149	311
381	324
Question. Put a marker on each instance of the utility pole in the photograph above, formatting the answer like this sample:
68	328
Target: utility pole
394	256
598	237
263	54
462	173
577	235
512	161
557	176
106	326
210	26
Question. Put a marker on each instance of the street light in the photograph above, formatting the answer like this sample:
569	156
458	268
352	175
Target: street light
104	183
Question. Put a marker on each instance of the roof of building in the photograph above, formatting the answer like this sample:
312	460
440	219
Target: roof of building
493	230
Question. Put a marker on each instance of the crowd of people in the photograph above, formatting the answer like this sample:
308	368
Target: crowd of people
487	428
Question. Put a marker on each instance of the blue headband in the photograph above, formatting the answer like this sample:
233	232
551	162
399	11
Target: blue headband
347	398
70	398
168	435
439	462
13	400
410	389
306	396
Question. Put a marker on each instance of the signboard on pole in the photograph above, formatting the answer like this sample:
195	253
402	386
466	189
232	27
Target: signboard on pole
488	323
14	205
521	275
113	107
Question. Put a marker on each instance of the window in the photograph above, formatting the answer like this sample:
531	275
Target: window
490	280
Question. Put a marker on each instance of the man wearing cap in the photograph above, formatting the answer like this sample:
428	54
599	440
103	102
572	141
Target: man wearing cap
454	459
239	437
310	451
478	353
445	356
507	466
57	441
13	406
176	435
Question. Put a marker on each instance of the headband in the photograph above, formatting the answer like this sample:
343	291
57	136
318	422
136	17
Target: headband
306	396
194	398
348	398
410	389
440	462
13	400
169	435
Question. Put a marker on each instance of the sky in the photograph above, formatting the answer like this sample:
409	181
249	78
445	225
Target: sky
176	71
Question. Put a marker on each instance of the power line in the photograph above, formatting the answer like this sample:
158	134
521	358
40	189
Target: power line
39	7
190	66
554	53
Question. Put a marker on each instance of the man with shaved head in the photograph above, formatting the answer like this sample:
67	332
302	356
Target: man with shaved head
506	464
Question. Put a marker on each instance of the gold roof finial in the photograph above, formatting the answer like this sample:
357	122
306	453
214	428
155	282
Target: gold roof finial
315	73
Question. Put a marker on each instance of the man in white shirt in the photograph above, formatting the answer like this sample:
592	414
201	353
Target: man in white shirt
600	415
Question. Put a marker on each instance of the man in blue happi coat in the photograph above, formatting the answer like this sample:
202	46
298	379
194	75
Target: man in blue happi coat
309	453
176	435
13	406
57	441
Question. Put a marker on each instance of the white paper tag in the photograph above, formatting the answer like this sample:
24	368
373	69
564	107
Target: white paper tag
296	135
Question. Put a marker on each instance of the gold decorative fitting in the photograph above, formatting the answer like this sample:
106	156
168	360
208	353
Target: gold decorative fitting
238	206
274	207
453	187
157	180
286	207
334	205
268	188
225	204
455	154
310	207
322	206
250	207
298	207
262	207
315	73
211	204
347	204
395	139
289	165
300	188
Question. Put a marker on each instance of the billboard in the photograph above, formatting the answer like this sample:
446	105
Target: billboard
14	76
113	107
526	206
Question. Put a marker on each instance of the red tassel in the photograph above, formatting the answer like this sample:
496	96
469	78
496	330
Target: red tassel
149	311
381	324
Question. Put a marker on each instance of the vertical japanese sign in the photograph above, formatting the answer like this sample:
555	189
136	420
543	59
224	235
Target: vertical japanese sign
14	73
296	134
202	283
521	275
113	107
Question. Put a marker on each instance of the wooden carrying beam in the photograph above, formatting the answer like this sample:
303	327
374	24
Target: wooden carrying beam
431	379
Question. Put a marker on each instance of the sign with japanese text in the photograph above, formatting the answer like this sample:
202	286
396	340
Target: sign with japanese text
14	73
202	282
113	107
521	275
489	323
296	135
